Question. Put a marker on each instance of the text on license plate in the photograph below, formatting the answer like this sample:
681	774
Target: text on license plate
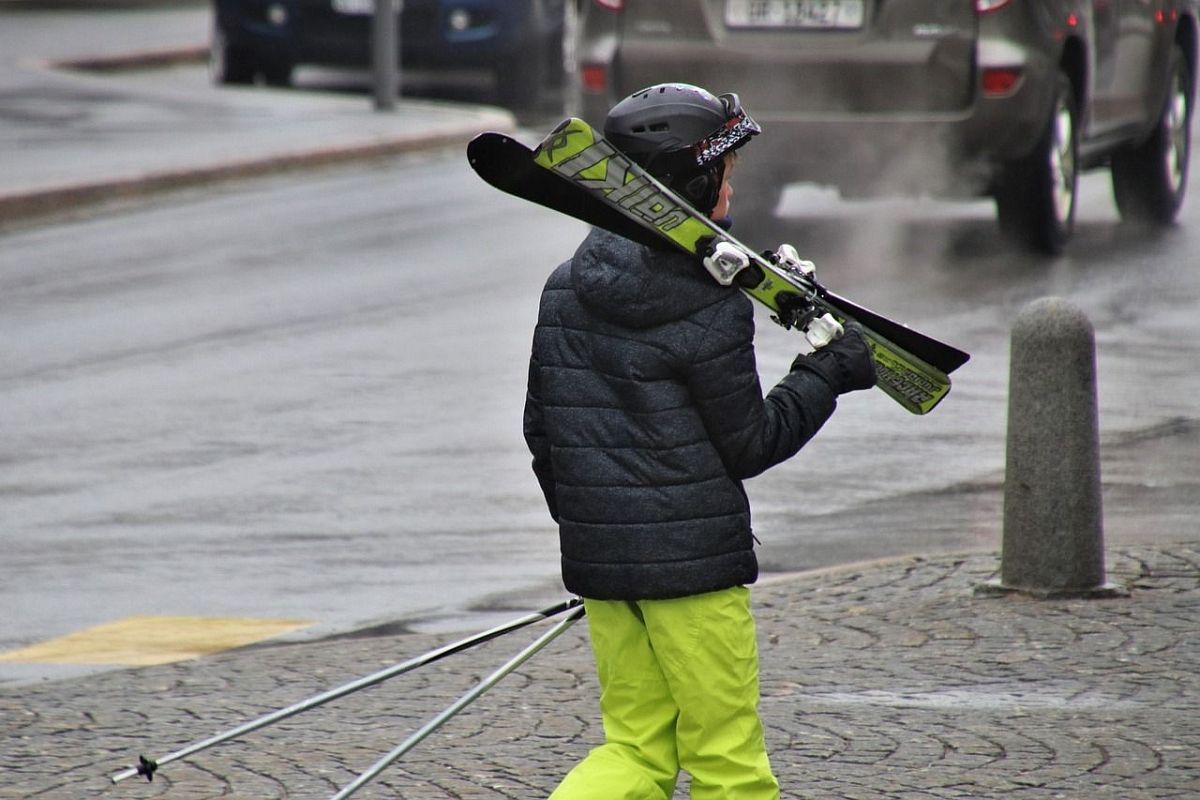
356	7
794	13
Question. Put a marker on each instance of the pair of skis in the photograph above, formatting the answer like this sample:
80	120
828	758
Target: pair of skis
577	172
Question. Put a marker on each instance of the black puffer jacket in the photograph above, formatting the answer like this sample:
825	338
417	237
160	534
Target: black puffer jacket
645	413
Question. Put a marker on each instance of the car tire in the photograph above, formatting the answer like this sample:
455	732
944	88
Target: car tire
278	73
524	81
1149	179
1036	196
519	84
228	64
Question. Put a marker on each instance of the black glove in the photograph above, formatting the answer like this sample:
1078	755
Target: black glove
845	363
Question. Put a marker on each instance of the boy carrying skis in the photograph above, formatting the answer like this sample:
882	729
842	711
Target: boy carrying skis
644	415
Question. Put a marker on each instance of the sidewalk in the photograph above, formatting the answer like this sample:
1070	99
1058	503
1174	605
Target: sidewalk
86	136
888	680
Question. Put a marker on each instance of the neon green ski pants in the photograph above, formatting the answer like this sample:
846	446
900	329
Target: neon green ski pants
678	690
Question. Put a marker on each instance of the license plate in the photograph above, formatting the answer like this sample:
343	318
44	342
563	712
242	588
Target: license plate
833	14
356	7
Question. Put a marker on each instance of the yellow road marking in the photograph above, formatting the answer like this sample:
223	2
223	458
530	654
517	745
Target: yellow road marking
147	640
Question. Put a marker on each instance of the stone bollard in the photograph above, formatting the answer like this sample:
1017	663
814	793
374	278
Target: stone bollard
1053	543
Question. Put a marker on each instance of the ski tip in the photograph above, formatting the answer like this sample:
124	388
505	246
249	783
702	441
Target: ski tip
960	357
487	147
485	139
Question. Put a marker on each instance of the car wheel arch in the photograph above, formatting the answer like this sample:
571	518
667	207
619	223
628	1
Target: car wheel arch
1185	39
1188	39
1184	36
1073	62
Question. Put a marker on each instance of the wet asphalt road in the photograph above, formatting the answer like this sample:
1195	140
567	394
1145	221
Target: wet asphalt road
300	397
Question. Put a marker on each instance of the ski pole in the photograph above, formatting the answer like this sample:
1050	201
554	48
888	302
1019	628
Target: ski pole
148	766
458	706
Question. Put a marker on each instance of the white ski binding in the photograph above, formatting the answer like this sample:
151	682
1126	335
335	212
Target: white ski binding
725	261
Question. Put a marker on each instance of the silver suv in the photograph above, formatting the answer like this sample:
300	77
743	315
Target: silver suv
956	98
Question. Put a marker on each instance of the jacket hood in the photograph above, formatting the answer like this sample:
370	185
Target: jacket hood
638	286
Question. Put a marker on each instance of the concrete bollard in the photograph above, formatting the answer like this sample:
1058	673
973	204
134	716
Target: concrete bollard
1053	542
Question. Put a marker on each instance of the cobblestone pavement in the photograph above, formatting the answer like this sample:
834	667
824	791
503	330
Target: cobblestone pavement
889	680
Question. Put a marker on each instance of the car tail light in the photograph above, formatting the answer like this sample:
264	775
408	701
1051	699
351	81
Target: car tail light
985	6
611	5
593	78
1000	81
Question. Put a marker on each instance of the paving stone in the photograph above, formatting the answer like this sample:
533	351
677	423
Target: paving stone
891	681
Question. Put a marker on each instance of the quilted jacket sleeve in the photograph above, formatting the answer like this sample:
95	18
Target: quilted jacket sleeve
752	433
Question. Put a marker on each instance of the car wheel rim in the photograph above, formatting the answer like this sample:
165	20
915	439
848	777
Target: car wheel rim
1062	163
1177	133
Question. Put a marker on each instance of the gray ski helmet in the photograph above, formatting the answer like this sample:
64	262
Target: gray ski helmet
679	133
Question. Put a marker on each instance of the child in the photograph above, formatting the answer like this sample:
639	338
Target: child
644	415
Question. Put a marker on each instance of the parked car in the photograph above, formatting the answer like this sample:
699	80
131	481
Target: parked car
1003	98
518	41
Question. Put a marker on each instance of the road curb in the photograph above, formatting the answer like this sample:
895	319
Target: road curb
40	201
94	5
157	58
23	205
767	578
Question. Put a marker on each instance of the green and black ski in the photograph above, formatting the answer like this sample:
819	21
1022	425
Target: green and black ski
575	171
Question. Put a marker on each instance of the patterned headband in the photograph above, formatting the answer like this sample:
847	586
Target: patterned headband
736	131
